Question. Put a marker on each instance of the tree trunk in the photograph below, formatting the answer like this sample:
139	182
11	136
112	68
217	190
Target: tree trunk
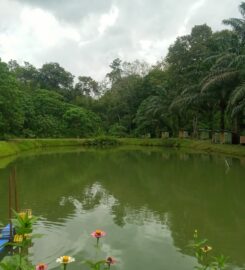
236	125
222	116
210	120
195	131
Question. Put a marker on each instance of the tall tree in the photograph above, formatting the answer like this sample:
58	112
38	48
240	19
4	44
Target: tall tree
54	77
116	71
87	86
27	75
11	111
186	67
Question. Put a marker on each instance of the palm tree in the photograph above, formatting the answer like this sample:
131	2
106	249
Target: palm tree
197	104
237	106
153	114
225	80
238	25
237	99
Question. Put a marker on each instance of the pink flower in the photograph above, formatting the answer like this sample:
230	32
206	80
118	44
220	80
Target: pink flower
41	266
98	234
110	261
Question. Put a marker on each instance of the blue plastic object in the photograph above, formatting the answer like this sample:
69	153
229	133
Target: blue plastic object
2	242
5	236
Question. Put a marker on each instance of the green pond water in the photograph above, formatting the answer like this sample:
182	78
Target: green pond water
148	200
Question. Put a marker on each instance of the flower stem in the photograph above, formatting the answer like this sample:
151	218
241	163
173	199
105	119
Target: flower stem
20	254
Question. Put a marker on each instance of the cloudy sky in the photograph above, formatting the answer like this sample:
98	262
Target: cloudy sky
84	36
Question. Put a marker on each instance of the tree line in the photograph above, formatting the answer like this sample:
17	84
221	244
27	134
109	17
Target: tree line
199	85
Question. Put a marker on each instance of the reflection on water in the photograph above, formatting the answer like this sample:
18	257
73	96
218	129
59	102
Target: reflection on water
149	201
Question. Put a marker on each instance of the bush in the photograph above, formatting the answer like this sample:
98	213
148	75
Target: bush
118	130
102	141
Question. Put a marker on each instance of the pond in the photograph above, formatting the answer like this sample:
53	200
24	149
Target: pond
148	200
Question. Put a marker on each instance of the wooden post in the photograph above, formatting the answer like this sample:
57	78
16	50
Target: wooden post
15	190
10	207
12	196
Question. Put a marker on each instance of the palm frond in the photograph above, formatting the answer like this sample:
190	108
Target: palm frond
176	104
238	62
238	109
213	58
236	24
214	73
219	79
191	89
238	94
182	103
223	61
242	9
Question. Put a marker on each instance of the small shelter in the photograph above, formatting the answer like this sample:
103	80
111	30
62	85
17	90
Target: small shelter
226	137
216	137
165	135
242	140
204	134
183	134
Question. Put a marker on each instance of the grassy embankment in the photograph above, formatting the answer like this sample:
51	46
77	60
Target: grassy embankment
13	147
189	144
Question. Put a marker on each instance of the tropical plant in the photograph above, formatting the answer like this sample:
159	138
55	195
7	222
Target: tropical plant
202	253
237	24
16	262
226	78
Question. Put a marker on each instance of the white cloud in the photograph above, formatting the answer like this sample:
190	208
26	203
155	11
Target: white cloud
44	28
191	12
145	44
153	50
35	31
85	36
108	19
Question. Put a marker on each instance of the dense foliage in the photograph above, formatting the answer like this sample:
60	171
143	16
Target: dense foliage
200	84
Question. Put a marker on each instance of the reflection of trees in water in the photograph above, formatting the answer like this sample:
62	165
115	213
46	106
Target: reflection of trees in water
193	191
119	213
92	197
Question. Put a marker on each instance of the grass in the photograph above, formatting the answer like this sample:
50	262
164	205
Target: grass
13	147
198	145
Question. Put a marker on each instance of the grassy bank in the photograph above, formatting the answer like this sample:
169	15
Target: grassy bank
196	145
13	147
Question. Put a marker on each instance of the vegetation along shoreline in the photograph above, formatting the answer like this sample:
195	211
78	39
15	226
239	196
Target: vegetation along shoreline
17	146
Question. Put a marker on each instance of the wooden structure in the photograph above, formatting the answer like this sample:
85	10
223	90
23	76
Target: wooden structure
223	137
165	135
204	134
183	134
216	137
242	140
147	136
226	137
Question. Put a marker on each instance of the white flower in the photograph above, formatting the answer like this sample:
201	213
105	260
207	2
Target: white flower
65	259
